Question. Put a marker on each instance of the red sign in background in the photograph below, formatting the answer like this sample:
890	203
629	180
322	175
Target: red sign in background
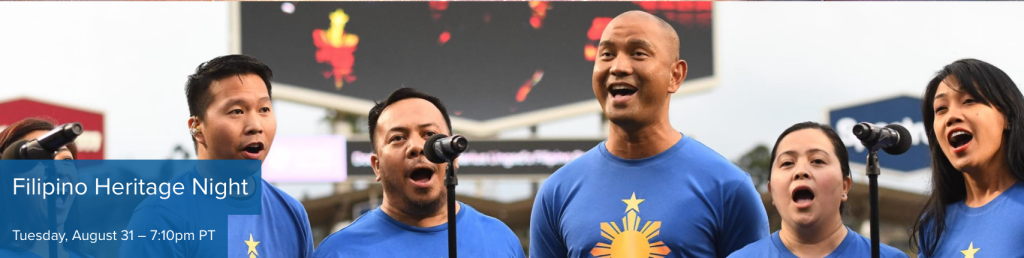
90	143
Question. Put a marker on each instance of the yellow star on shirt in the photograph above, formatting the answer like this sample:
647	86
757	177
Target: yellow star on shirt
252	246
969	253
633	203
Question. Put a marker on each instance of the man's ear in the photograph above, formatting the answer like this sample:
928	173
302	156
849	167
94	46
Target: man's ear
195	129
678	74
375	163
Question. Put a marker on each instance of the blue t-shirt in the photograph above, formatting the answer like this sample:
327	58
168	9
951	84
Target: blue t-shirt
687	201
375	234
995	229
853	245
282	229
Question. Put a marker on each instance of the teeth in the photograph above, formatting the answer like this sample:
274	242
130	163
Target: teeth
621	87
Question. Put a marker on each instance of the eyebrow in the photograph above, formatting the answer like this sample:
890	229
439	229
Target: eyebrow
641	42
238	101
940	95
405	129
795	153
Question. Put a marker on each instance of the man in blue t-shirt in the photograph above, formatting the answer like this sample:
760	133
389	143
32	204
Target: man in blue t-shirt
229	100
413	219
647	191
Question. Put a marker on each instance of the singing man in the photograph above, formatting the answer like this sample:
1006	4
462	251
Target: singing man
412	221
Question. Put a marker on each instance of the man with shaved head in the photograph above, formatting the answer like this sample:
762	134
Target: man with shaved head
648	190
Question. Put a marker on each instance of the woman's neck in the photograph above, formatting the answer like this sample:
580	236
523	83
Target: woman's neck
813	241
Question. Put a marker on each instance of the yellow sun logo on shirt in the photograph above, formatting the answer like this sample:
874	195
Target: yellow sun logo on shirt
632	240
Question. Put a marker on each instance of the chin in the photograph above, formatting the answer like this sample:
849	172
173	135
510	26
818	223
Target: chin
805	220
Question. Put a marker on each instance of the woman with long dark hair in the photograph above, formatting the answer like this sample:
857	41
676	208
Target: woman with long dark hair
974	117
810	179
33	219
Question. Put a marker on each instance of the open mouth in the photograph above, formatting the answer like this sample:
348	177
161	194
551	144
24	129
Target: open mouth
254	148
421	175
803	195
958	138
622	90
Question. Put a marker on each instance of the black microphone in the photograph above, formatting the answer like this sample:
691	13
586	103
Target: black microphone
45	146
893	138
441	148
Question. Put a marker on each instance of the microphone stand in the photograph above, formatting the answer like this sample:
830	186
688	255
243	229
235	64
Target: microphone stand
450	181
51	203
873	171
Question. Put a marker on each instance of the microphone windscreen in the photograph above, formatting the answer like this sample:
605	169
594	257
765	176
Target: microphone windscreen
904	144
430	152
12	152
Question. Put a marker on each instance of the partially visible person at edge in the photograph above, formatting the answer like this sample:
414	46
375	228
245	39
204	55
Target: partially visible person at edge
974	118
33	219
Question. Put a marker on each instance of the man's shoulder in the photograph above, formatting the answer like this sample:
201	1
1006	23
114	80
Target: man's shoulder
700	157
499	234
590	160
277	197
368	224
483	220
758	248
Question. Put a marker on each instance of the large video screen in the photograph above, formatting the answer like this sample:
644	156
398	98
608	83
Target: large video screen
485	60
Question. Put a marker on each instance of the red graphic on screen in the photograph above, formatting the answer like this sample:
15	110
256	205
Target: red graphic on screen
335	46
525	89
445	36
689	14
437	8
594	34
540	10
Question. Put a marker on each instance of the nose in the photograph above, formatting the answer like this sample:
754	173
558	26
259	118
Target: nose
802	174
621	67
416	149
953	116
253	125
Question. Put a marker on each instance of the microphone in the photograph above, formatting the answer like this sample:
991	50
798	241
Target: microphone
45	146
893	138
441	148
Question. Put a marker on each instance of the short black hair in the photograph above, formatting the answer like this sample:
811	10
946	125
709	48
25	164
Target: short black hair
197	88
399	95
837	144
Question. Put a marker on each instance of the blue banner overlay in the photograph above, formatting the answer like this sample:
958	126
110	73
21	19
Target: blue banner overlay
124	208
